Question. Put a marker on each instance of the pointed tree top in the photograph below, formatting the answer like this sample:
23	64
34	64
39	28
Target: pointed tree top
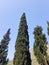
23	16
8	31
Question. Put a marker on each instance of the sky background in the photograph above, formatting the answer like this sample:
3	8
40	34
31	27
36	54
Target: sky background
37	13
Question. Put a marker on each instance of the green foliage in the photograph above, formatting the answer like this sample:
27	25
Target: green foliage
48	34
4	48
22	55
40	45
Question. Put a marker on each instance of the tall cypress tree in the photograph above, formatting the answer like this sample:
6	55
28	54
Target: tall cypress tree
40	46
4	48
22	55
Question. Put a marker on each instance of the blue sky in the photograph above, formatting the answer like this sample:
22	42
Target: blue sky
37	13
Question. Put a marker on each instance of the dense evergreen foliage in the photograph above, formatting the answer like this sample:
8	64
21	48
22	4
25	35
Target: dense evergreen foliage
4	48
40	46
22	55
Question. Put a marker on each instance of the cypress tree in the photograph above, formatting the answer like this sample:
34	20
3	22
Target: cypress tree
22	55
40	46
4	48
